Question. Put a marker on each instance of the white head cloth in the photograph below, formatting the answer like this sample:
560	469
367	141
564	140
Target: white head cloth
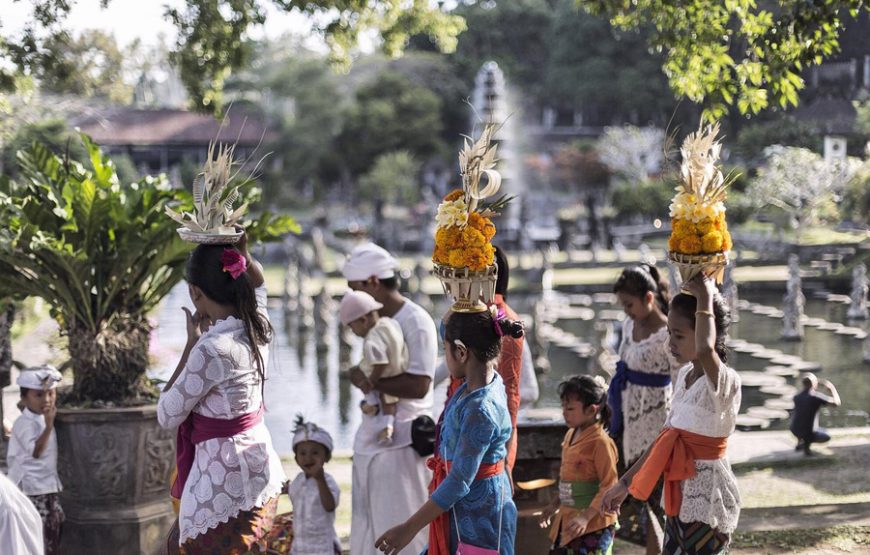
309	431
369	260
39	377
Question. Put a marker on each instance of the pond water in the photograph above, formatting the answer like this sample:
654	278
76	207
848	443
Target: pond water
303	380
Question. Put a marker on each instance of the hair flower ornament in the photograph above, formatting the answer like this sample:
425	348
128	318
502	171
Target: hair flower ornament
234	263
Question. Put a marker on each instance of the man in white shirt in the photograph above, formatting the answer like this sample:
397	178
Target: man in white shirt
20	525
391	482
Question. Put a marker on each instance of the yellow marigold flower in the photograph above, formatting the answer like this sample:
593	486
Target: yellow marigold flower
674	243
488	229
726	241
472	238
454	194
712	242
457	258
705	226
690	244
681	228
476	221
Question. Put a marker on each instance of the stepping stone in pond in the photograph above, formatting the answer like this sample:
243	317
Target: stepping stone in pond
862	335
580	300
763	310
749	378
734	343
807	366
604	298
615	315
748	423
769	354
842	299
813	322
786	360
768	413
851	331
831	326
783	390
782	371
780	403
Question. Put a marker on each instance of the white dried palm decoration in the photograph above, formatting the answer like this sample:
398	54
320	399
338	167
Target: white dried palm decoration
478	159
214	195
701	176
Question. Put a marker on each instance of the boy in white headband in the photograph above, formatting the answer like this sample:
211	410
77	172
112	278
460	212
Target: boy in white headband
32	455
314	493
385	354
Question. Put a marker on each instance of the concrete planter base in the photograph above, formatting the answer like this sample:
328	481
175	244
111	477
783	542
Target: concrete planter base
115	466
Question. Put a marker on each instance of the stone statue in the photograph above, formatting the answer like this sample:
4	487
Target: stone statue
858	308
794	300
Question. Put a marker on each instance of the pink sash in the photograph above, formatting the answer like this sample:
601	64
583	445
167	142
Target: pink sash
198	428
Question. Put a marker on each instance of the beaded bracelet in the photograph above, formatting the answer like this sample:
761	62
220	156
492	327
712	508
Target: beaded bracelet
705	312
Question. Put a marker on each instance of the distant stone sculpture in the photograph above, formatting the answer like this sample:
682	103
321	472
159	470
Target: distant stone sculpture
858	308
324	319
729	291
794	300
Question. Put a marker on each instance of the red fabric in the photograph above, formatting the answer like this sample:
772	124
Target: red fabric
198	428
510	363
439	529
674	454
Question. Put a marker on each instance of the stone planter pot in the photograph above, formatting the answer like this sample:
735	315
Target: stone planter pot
115	466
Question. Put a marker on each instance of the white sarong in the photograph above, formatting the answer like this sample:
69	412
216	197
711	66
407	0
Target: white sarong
388	487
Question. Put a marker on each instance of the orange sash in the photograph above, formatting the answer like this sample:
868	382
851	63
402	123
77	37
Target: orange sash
439	529
674	454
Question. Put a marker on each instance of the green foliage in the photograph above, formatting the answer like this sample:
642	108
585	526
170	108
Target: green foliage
649	199
100	255
786	131
578	166
390	113
855	199
862	117
739	53
54	134
88	65
394	177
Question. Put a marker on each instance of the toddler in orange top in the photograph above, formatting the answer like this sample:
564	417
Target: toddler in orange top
588	470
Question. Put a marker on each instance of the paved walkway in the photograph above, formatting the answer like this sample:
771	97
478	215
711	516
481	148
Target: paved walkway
778	446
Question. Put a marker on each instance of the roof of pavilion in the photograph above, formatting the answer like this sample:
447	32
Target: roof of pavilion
134	126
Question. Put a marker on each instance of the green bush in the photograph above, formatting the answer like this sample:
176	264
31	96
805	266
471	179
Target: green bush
649	199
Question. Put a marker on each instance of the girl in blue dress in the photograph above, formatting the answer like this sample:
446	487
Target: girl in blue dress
471	504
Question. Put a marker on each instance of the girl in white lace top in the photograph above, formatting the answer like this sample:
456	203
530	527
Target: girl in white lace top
229	476
701	497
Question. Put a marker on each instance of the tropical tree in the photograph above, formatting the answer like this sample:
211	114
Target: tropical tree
101	256
634	153
800	183
739	53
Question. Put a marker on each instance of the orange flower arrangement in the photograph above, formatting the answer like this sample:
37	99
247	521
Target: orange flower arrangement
463	238
699	237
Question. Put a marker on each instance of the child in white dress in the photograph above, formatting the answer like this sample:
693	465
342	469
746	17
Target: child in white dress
385	354
314	493
32	454
702	501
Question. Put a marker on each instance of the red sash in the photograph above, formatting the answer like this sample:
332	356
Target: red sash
674	454
198	428
439	529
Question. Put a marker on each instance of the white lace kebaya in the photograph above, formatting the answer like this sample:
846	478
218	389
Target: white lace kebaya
233	474
645	409
711	496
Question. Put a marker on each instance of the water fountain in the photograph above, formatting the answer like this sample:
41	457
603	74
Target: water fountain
858	306
794	301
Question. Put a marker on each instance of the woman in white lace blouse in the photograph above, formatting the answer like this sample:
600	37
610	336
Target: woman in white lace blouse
229	476
640	391
702	502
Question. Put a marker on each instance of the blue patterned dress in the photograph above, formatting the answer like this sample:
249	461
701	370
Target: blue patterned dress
475	431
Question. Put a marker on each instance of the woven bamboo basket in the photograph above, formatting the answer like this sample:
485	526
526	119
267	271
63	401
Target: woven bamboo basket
471	291
690	265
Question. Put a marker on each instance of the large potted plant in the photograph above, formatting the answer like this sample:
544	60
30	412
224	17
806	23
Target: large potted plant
102	255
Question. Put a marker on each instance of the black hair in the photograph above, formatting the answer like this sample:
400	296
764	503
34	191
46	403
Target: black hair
298	423
205	270
391	283
639	280
504	272
685	305
588	390
477	332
